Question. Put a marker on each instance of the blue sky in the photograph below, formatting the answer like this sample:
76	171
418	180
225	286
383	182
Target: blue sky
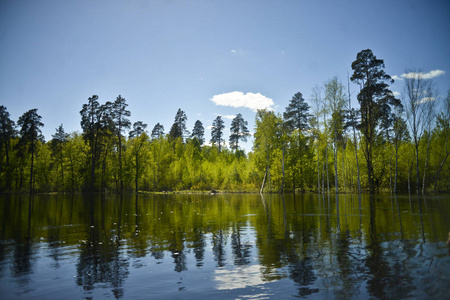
165	55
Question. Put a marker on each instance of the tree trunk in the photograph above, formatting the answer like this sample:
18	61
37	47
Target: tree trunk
31	168
137	173
396	167
264	181
426	163
282	167
417	169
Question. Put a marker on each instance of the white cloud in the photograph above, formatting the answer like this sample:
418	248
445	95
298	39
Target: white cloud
426	99
421	75
237	51
395	77
229	117
239	99
396	94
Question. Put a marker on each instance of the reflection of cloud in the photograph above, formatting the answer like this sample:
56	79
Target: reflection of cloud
238	278
239	99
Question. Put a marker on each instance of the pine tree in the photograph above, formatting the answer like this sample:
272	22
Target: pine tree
7	132
120	114
60	138
239	131
158	131
217	132
198	132
30	134
375	101
139	136
178	129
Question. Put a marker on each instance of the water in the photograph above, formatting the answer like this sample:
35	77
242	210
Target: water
224	247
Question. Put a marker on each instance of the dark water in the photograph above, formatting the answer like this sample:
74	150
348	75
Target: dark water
224	247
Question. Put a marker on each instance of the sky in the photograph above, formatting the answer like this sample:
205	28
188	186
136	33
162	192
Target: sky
208	58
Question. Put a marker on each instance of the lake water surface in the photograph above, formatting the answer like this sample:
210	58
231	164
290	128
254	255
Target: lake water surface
231	246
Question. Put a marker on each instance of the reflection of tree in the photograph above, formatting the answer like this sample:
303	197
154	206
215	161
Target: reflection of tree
199	246
389	276
218	248
241	252
101	259
301	272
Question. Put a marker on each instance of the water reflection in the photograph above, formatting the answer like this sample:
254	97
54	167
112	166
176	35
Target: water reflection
224	246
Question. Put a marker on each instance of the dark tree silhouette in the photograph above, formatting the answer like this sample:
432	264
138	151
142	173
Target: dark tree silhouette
59	139
198	132
178	129
158	131
375	101
90	123
7	132
137	132
296	115
239	131
217	132
30	133
120	114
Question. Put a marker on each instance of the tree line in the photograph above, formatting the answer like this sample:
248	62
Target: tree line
385	144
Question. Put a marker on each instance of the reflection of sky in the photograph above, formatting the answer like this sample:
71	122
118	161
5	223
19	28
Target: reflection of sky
239	277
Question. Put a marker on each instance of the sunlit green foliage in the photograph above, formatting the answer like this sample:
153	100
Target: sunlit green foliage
291	151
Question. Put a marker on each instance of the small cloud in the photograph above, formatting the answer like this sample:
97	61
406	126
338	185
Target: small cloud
237	51
395	77
425	100
421	75
229	117
239	99
396	94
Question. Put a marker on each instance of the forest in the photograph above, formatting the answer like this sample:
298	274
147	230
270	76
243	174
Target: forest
319	145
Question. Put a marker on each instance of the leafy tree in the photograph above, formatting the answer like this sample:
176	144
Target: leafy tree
375	101
30	134
336	102
178	129
217	132
7	132
401	134
266	144
120	114
158	131
198	132
58	142
139	139
239	131
443	134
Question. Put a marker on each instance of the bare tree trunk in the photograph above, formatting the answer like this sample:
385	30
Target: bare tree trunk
264	181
